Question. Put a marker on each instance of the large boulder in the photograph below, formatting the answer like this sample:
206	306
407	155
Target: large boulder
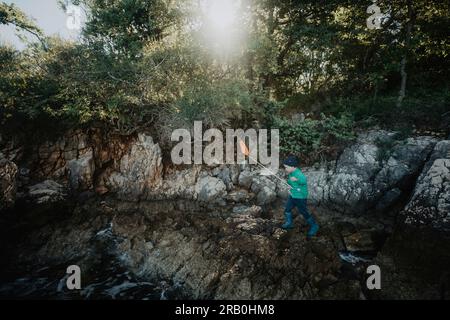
140	170
260	182
404	164
430	202
370	174
264	188
362	157
318	186
415	260
8	188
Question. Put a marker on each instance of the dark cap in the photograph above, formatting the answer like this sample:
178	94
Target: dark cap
291	161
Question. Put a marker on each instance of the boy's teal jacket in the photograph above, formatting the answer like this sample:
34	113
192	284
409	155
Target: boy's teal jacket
300	187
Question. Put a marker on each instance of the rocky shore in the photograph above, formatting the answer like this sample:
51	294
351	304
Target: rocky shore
93	198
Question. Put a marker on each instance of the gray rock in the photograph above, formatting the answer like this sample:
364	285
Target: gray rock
264	188
239	195
377	136
45	192
282	192
140	170
210	189
430	202
234	173
261	182
265	196
348	193
179	184
246	178
361	178
215	172
360	159
318	186
225	175
254	211
81	172
405	161
388	199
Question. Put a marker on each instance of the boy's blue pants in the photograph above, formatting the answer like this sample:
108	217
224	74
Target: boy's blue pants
301	206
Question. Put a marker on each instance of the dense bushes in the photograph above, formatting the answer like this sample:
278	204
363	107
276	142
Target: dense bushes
422	107
314	139
74	84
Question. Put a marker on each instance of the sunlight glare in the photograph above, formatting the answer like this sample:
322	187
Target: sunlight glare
221	26
221	13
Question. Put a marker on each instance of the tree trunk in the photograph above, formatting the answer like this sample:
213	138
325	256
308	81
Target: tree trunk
403	73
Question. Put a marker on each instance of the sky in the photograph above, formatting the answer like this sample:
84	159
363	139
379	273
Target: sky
47	15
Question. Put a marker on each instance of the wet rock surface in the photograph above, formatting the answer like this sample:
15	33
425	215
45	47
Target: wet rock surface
224	255
416	258
45	192
415	264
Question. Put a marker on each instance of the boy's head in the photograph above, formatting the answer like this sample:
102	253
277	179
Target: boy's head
290	164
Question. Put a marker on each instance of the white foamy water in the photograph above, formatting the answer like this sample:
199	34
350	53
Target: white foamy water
352	258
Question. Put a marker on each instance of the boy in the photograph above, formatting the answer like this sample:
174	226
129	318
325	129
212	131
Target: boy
298	196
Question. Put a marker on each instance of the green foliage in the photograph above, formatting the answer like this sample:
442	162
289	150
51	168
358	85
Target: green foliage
125	26
68	85
423	107
215	104
144	63
309	139
385	147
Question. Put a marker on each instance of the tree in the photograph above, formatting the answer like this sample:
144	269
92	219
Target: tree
125	26
10	14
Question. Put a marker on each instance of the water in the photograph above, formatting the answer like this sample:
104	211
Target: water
353	258
107	277
116	287
112	283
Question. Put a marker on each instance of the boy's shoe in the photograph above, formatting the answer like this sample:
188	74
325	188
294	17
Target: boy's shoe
288	224
313	228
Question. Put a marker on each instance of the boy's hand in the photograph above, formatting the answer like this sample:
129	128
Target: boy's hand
293	179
